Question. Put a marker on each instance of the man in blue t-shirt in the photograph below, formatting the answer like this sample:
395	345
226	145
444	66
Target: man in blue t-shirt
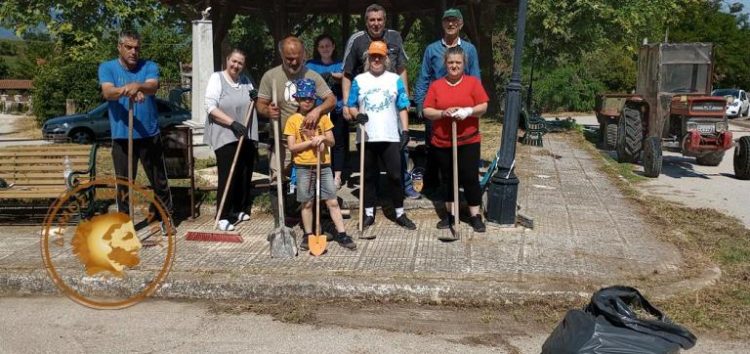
433	68
125	79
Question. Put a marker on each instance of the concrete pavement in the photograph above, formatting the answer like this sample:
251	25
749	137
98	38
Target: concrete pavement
587	235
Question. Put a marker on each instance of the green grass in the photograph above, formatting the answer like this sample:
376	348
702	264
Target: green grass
204	163
705	238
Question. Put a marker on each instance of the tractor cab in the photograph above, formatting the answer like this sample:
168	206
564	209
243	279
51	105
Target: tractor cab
672	108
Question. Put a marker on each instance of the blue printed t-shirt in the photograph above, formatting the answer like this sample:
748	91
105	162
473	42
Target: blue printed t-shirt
321	68
145	119
381	97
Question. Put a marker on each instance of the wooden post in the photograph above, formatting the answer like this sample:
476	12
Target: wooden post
70	106
346	30
222	17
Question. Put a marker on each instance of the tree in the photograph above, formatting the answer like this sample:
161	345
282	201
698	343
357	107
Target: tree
705	22
4	69
79	35
79	25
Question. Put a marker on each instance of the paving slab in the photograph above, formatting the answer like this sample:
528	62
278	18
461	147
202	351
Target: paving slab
586	235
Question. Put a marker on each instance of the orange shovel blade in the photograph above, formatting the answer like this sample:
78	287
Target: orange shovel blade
317	244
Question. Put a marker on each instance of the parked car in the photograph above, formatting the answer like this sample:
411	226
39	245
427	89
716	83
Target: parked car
738	103
94	125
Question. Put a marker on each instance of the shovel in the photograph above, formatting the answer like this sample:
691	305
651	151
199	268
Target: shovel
130	157
361	120
282	239
317	242
455	234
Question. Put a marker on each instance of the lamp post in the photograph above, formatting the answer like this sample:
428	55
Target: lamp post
530	93
503	190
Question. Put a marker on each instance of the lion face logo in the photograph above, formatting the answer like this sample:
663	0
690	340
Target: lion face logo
107	243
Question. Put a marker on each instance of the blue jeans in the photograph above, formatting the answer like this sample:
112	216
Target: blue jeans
405	173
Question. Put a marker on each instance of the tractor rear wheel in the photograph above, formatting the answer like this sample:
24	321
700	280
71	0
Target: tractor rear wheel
652	158
629	135
742	158
710	159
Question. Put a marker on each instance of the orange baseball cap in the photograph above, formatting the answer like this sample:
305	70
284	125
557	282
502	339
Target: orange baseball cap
377	47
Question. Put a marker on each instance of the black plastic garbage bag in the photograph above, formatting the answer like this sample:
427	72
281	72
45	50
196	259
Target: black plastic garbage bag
609	324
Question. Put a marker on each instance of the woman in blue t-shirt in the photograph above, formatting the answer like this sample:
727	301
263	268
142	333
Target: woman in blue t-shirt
325	64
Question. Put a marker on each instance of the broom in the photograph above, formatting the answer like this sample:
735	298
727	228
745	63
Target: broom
224	236
282	239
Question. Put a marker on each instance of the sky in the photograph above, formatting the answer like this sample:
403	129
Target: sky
4	34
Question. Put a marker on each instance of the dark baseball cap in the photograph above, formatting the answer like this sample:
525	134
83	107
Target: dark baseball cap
452	13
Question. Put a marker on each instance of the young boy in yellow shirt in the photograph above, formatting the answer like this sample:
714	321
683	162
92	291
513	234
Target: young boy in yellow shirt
302	143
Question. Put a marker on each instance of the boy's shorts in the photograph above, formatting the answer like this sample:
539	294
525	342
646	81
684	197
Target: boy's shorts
306	184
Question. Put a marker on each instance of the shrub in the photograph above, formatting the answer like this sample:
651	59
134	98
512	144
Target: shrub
566	88
60	80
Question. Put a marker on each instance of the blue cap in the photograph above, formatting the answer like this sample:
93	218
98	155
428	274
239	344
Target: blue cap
305	88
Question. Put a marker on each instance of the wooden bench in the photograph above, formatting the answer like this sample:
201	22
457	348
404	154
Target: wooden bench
36	172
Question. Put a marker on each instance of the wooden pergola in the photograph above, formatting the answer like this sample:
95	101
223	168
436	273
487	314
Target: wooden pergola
479	18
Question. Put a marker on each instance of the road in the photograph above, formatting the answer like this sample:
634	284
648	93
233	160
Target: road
683	181
58	325
55	324
10	125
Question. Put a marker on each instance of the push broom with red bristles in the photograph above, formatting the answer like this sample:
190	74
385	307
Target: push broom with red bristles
225	236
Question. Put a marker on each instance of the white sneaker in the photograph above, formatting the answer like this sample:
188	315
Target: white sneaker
225	225
243	217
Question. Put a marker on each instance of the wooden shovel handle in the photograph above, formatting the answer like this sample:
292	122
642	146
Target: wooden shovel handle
131	108
361	176
317	191
454	143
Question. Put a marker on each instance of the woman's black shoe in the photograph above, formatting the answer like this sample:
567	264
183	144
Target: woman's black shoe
446	222
477	224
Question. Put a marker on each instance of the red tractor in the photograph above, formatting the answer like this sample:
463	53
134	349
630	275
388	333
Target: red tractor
671	108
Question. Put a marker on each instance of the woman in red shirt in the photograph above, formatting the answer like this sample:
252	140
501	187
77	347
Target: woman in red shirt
462	98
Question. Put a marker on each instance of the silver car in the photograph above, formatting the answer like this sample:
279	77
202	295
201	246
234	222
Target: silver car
84	128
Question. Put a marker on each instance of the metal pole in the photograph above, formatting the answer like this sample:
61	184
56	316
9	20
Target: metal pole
503	189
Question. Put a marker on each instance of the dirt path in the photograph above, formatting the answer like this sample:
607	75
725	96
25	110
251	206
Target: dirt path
19	129
58	325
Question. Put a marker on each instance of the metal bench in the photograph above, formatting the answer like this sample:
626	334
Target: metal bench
535	127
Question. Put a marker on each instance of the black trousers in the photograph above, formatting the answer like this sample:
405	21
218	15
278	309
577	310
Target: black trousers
151	154
239	196
468	172
389	155
431	176
340	150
